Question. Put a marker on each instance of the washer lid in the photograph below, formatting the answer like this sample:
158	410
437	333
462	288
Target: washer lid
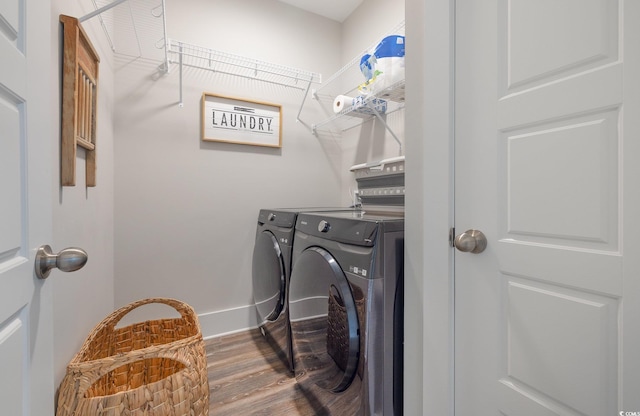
324	320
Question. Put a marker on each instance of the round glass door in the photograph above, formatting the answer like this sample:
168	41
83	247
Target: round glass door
269	281
324	320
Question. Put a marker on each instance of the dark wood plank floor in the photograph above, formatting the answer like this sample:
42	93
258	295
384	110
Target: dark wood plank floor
247	377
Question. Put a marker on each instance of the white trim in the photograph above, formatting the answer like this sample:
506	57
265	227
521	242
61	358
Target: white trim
228	321
429	114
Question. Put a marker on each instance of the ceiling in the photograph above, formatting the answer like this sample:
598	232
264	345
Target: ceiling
136	22
337	10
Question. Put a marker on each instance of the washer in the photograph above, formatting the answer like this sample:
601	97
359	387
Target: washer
270	273
346	311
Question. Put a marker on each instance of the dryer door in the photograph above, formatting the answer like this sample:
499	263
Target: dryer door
324	320
269	281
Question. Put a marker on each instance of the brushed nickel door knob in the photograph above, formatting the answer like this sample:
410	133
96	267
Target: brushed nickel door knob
68	260
471	241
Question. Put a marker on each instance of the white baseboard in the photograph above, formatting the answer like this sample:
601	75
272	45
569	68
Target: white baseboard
229	321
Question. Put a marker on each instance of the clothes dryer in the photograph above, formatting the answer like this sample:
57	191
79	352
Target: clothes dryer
346	312
270	274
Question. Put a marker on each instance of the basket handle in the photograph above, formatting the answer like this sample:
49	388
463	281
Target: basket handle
112	319
182	308
92	371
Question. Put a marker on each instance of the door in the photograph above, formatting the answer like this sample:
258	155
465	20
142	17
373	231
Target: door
546	317
26	380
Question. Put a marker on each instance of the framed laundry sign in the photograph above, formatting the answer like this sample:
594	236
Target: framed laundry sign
235	120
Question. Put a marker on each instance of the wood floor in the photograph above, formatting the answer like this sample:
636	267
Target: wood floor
247	377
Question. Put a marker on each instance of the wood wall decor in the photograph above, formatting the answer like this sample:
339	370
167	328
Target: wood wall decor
79	99
240	121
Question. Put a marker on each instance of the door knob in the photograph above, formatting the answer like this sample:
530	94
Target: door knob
68	260
472	241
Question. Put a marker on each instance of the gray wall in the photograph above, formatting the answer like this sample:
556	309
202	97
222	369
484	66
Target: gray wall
185	210
82	216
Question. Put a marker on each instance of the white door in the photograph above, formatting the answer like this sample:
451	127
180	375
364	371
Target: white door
547	125
26	380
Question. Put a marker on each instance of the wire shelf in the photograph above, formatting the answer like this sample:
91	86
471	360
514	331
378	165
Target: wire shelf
354	116
135	28
194	56
394	96
145	21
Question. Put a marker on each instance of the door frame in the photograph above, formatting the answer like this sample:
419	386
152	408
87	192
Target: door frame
429	121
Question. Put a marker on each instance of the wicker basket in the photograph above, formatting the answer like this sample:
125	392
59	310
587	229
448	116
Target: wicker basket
152	368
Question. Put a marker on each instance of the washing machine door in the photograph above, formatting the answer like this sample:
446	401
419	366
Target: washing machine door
269	281
324	321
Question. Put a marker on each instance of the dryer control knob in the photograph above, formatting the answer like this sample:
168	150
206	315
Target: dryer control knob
324	226
272	217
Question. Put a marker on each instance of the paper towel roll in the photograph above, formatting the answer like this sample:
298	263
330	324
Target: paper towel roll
341	102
